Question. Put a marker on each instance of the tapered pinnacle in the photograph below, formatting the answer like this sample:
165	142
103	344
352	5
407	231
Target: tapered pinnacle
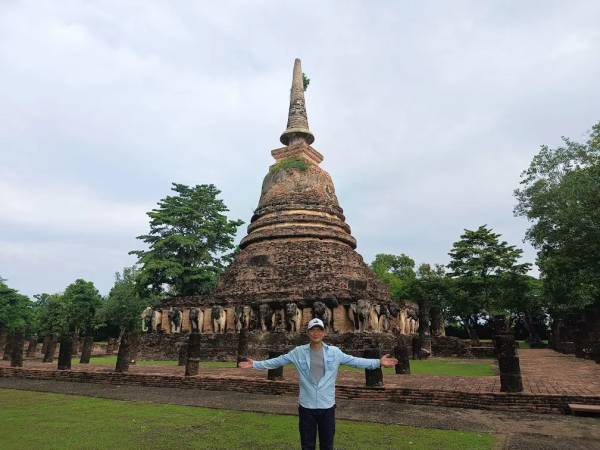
297	126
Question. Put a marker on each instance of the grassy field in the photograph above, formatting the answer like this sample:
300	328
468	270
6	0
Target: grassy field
434	366
34	420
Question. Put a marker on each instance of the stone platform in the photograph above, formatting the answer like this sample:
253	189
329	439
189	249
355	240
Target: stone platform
551	380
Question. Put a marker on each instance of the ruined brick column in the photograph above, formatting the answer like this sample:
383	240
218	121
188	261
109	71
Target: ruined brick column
373	377
50	349
86	351
401	354
275	374
16	357
65	352
242	349
192	363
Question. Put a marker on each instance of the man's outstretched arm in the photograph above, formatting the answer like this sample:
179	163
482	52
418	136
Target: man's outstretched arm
272	363
367	363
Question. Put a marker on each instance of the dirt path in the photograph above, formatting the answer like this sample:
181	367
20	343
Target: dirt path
515	430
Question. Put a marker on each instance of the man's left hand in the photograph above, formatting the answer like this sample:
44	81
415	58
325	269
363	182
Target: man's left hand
388	361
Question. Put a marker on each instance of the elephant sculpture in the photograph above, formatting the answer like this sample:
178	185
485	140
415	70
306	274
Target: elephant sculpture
353	315
157	321
175	318
147	314
265	316
196	320
363	311
385	318
321	311
219	319
293	317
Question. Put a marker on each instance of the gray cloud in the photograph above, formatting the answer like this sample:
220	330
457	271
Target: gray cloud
425	113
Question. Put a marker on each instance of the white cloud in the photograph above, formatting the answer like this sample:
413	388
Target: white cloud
425	113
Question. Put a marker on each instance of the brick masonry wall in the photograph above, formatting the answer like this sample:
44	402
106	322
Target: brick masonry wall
223	347
489	401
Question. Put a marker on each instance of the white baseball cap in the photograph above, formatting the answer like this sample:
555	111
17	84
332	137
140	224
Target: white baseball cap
315	323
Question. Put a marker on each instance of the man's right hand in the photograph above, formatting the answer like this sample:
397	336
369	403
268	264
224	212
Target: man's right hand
247	364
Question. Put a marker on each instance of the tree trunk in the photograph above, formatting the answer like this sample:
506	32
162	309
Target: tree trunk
193	355
50	349
65	352
373	377
32	347
275	374
16	357
532	325
86	351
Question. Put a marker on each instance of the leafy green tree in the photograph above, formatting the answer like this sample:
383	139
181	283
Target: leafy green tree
82	301
430	290
50	314
15	309
15	316
523	297
560	195
189	242
478	260
397	272
124	304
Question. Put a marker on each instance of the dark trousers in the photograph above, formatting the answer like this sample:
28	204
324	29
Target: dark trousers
312	420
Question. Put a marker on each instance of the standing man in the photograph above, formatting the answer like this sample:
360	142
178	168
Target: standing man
317	365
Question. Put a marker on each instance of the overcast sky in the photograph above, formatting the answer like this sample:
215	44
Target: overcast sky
425	112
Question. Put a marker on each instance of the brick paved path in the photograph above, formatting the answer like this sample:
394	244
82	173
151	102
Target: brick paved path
544	372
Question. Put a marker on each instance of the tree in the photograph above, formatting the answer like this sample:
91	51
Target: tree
477	262
188	242
397	272
15	309
560	195
50	311
82	303
15	314
123	309
430	289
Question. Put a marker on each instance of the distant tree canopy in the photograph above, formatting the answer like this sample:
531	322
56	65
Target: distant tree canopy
82	302
50	314
15	309
483	268
124	304
560	195
397	272
189	243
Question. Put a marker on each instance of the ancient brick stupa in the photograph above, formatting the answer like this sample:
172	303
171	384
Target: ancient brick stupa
298	260
299	247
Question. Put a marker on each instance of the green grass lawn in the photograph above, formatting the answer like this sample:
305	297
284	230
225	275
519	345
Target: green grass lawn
433	366
36	420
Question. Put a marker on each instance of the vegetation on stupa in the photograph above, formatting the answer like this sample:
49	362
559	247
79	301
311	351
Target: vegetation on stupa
293	162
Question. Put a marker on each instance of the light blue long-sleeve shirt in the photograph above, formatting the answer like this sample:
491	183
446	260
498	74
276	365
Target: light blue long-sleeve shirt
322	394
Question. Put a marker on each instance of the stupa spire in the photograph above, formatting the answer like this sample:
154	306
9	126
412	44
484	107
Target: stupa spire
297	126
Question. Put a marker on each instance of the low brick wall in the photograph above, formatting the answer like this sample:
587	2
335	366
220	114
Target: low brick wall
223	347
456	399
